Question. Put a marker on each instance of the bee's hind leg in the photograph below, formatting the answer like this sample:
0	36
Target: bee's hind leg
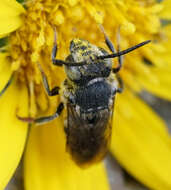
43	120
55	90
7	85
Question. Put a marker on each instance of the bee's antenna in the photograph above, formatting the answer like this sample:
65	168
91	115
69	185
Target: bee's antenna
124	51
61	62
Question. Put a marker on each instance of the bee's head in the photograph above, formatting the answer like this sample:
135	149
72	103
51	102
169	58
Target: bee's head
78	45
82	50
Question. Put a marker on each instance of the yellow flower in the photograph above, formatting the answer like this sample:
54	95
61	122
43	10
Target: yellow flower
140	140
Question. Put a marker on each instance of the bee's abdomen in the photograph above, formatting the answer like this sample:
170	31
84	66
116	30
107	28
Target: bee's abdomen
88	135
86	146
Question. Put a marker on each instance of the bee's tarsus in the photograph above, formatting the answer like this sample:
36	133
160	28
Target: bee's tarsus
55	36
7	85
107	40
26	119
55	90
54	51
121	84
43	120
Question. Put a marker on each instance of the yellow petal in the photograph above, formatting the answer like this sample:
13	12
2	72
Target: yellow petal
162	87
48	166
165	13
142	143
12	131
10	16
5	70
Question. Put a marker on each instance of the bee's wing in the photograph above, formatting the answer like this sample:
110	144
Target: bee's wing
73	119
88	143
109	123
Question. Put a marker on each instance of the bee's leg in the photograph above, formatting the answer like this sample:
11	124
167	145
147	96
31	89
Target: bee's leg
55	90
112	48
43	120
120	58
117	69
59	62
107	40
121	84
54	51
7	85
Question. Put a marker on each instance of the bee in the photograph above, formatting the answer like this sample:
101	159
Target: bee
88	95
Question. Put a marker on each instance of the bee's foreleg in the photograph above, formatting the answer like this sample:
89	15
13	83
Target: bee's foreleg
120	58
117	69
55	61
60	62
112	48
55	90
43	120
54	51
121	84
107	40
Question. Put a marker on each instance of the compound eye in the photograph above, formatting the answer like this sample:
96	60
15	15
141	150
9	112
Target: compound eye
73	73
113	91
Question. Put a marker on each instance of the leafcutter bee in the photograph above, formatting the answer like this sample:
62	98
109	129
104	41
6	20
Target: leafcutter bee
88	95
